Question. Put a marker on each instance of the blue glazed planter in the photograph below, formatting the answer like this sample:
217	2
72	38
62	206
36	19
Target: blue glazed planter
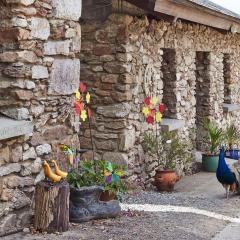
233	154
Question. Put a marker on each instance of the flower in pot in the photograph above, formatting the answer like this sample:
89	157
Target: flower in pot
87	178
88	182
231	137
215	137
174	151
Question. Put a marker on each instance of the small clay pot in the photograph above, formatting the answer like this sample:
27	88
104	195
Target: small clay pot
165	180
107	196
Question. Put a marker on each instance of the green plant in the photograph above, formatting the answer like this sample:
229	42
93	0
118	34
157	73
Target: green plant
105	174
83	176
174	150
150	143
231	136
215	136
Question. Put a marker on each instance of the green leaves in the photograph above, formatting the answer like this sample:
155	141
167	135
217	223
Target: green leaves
92	173
231	135
215	135
150	143
174	149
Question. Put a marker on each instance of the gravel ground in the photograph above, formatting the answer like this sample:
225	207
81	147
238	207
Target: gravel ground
200	192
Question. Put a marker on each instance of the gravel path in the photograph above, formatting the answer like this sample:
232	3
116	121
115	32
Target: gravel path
201	193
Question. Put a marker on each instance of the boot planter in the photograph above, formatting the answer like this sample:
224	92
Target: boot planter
85	205
165	180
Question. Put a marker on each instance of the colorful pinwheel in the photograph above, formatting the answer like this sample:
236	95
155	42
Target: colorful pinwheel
110	175
152	111
82	101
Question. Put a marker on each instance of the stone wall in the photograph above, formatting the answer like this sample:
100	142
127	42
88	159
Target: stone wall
126	57
39	71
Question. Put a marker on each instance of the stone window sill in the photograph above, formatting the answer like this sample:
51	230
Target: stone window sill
13	128
231	107
168	125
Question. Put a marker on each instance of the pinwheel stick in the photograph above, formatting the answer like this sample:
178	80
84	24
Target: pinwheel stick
158	156
90	129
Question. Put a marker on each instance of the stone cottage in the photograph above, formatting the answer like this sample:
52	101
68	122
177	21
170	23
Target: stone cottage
186	52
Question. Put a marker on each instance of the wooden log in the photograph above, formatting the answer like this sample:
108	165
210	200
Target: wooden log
51	207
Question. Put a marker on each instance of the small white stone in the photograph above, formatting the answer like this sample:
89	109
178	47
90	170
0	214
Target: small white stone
25	146
29	154
23	2
36	166
40	28
43	149
19	22
67	9
30	85
70	33
37	110
57	47
26	230
39	72
39	177
48	60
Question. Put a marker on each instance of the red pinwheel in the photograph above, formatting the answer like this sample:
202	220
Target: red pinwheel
150	120
78	107
161	108
147	101
82	87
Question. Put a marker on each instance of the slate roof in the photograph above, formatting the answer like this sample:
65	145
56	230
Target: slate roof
215	7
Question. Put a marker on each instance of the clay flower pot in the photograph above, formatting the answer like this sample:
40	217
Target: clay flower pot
107	196
165	180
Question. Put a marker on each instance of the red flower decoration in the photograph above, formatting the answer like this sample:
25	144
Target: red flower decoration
147	101
150	120
82	87
161	108
78	107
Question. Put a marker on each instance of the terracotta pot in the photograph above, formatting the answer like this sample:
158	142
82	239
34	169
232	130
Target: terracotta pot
165	180
107	196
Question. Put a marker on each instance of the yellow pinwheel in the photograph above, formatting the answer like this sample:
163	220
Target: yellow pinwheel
154	100
78	95
146	111
158	117
83	115
88	97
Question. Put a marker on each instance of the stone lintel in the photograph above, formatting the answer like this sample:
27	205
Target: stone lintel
231	107
168	125
13	128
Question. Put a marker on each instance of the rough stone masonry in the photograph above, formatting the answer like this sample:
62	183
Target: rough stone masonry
192	68
39	70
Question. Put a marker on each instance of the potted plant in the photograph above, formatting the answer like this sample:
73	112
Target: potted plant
93	186
215	137
231	137
174	151
91	178
167	148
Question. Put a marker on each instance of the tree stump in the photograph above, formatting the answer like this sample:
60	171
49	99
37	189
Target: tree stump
51	207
